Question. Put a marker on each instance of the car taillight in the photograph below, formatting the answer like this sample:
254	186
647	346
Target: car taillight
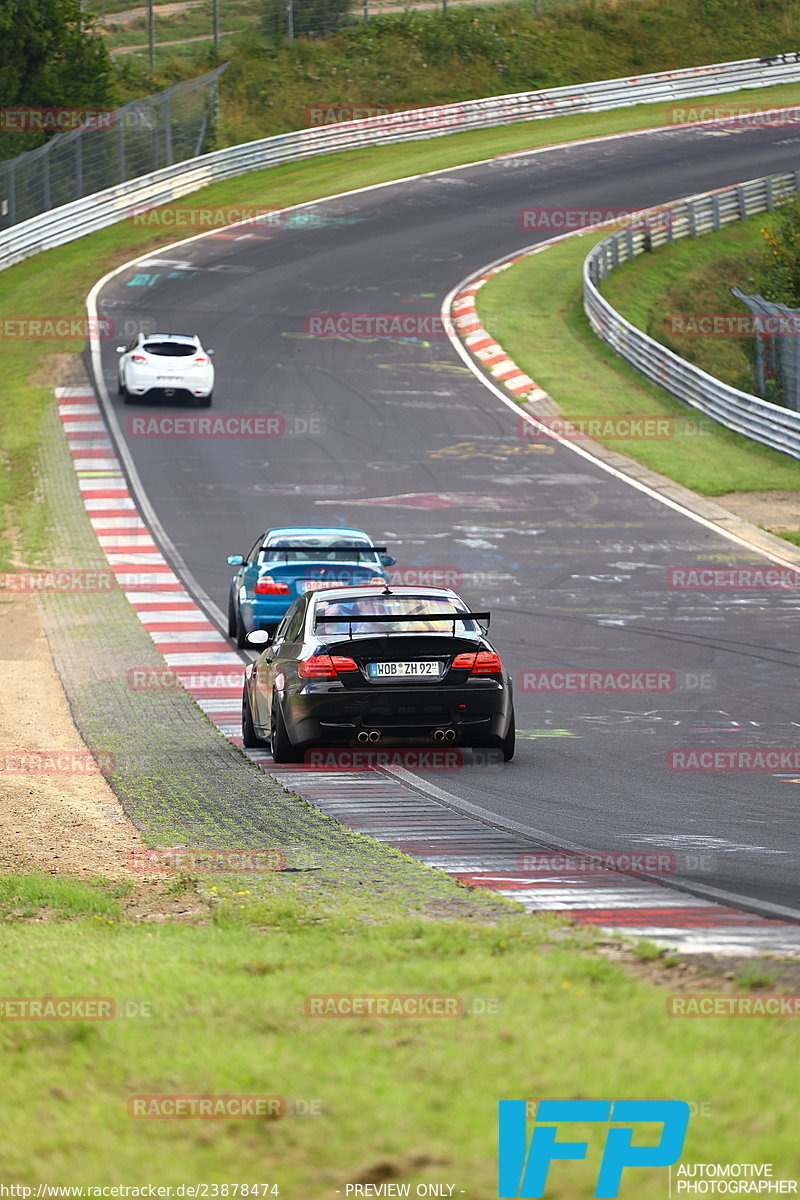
138	358
376	581
485	662
267	586
325	666
200	360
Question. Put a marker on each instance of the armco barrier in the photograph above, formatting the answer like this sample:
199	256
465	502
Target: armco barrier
74	220
758	419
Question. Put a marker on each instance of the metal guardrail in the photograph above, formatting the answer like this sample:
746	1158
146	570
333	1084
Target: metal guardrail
758	419
74	220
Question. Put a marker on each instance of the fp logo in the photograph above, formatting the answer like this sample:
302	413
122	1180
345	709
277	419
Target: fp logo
523	1168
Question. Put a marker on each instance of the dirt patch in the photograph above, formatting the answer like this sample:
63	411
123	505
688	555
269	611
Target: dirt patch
776	511
129	15
50	370
706	972
64	822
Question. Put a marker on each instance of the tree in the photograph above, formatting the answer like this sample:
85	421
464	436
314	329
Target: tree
778	268
51	55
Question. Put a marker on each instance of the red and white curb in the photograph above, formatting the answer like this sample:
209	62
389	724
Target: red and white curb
484	347
404	813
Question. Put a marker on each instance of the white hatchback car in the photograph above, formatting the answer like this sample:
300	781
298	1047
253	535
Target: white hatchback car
166	364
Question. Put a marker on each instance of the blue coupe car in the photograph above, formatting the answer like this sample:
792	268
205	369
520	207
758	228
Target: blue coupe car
285	563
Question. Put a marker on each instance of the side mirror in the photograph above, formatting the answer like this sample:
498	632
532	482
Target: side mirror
121	349
387	560
259	637
209	351
235	560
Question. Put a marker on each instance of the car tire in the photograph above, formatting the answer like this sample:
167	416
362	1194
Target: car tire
250	739
204	401
241	632
231	616
283	751
507	743
121	391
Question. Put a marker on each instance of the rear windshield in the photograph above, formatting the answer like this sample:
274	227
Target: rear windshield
408	606
343	551
170	349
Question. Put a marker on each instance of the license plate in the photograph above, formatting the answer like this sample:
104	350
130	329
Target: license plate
393	670
170	378
316	585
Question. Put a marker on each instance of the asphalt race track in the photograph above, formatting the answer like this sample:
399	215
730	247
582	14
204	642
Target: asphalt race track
407	443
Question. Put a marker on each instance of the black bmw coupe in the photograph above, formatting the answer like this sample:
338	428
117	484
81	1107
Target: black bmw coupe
371	665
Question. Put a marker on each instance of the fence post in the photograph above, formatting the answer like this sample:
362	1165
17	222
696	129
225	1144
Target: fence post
78	167
46	179
289	21
121	150
12	194
168	148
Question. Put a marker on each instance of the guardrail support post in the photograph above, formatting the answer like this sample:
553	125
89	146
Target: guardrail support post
715	211
742	197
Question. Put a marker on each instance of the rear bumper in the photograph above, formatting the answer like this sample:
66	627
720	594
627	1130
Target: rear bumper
265	611
160	391
477	713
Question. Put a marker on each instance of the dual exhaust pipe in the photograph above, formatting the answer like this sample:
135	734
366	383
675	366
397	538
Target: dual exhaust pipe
373	736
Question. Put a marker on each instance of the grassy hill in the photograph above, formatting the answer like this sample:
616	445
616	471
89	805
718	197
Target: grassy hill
419	58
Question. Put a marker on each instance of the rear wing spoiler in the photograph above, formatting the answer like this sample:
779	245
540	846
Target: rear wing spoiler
315	551
390	618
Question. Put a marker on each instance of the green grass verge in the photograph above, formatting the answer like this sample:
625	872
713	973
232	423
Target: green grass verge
690	277
411	1100
535	311
56	282
416	58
